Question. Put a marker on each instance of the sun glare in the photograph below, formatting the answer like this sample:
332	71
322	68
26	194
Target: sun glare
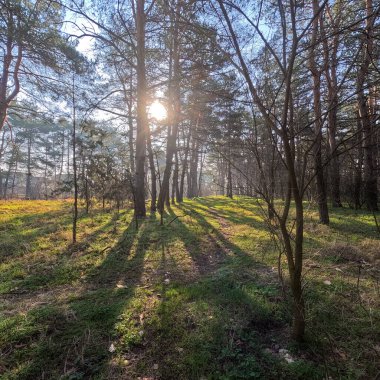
157	111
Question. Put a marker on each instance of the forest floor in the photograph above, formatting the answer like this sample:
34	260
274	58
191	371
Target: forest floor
197	298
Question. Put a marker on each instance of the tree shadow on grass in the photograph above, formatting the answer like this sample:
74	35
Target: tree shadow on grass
346	224
72	338
343	328
218	325
233	216
55	266
19	233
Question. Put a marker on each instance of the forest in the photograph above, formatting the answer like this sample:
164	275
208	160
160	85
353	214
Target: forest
189	189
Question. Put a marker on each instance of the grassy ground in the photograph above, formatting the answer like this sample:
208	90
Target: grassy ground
198	298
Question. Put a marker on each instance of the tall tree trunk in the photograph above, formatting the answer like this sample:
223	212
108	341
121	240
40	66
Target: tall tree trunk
74	137
175	108
28	187
142	120
192	185
62	157
7	96
1	184
130	127
330	52
153	177
229	180
315	71
68	155
175	192
1	171
358	178
10	165
199	190
366	116
272	182
45	171
7	181
128	99
14	179
184	168
221	178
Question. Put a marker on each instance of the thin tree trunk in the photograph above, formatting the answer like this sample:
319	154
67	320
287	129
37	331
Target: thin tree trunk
1	171
175	108
319	176
14	179
199	190
229	180
130	128
358	178
45	171
75	214
192	186
175	193
8	176
142	120
62	157
184	169
153	177
367	116
330	51
28	187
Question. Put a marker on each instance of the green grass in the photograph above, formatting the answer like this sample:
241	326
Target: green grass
197	298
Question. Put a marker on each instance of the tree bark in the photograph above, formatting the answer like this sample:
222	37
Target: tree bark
1	171
184	168
366	115
175	192
5	96
316	74
174	111
229	180
28	186
330	51
192	185
142	120
130	127
75	215
153	177
358	178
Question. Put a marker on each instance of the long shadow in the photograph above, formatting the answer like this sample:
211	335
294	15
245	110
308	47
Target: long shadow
232	216
71	338
342	326
224	248
19	233
24	230
347	225
65	269
216	346
231	315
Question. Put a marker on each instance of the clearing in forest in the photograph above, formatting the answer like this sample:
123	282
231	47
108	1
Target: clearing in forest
197	298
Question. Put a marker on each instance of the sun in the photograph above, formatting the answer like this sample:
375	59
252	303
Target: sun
157	111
